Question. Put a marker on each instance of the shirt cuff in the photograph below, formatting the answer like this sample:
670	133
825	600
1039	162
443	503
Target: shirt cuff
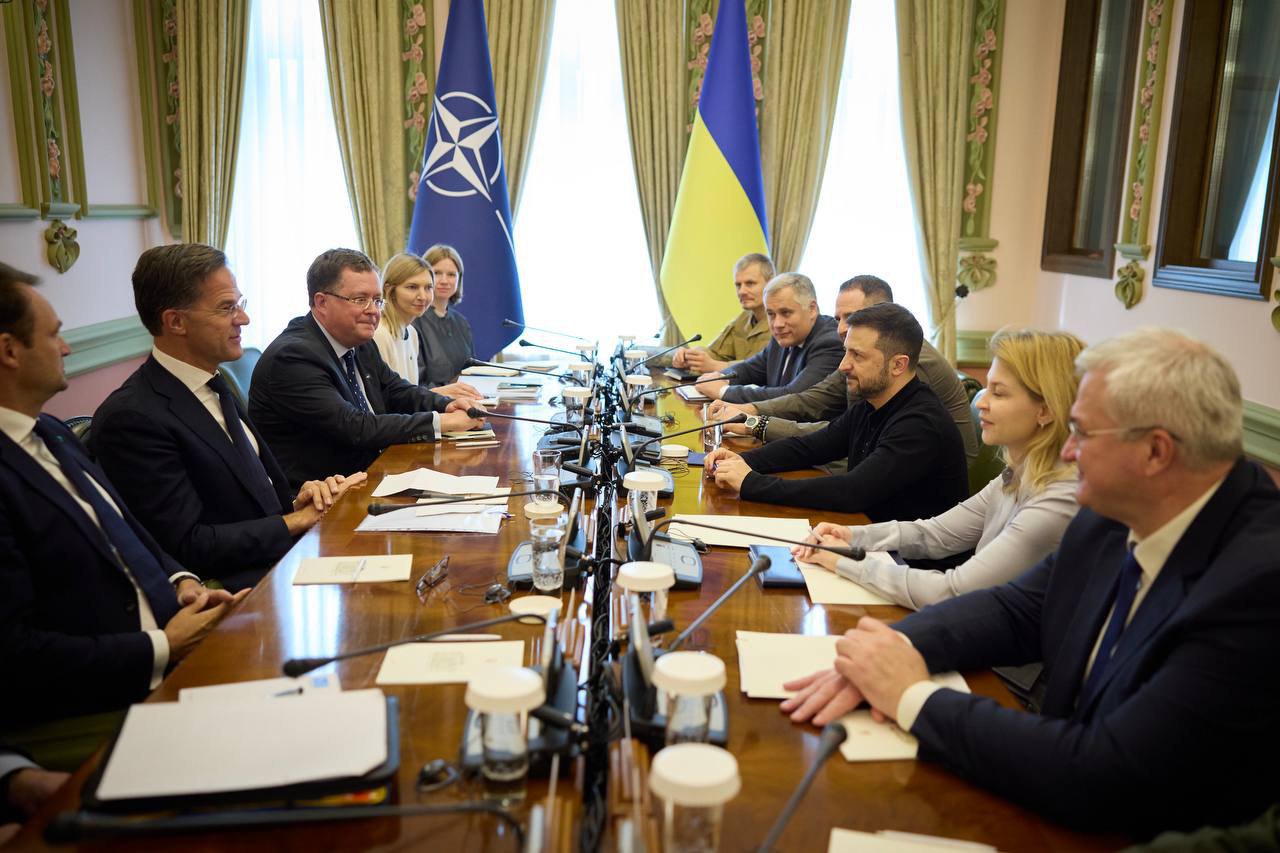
435	425
912	702
160	657
177	577
11	762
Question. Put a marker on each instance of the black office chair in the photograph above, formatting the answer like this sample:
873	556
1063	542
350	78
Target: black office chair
239	373
79	426
987	464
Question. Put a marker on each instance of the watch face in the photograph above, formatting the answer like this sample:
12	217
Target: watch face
752	422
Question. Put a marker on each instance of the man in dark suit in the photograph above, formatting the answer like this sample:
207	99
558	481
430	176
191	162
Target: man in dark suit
1156	619
92	611
177	443
805	348
323	397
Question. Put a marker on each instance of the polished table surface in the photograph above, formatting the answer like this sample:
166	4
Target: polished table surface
279	621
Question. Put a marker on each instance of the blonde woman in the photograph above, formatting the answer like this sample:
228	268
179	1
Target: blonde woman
1018	517
447	344
407	288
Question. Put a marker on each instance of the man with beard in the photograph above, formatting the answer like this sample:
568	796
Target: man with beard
906	459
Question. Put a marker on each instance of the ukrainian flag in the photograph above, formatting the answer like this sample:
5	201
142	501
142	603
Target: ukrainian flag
719	214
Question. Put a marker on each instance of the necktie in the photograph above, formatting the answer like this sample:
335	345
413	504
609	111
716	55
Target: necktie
349	365
141	562
784	376
1126	591
262	487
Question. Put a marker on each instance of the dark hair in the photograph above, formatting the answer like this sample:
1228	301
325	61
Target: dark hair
170	277
900	333
326	269
876	289
16	316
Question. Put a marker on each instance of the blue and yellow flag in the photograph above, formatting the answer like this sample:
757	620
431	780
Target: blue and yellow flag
719	214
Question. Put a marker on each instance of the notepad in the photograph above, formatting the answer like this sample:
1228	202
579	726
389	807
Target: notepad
750	527
830	588
377	568
171	748
447	663
766	661
262	688
691	392
887	841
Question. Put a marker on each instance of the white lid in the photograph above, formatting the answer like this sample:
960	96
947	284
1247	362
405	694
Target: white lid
646	577
675	451
636	353
538	509
505	690
643	481
644	381
689	673
626	338
585	347
581	365
694	774
576	393
534	605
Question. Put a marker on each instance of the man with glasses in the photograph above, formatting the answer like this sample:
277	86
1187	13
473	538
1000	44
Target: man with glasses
1156	619
177	442
324	398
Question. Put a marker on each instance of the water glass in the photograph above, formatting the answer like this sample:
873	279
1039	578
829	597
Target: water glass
582	371
546	534
546	476
711	437
505	752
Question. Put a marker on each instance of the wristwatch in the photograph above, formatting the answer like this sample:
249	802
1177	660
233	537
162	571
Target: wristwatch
757	424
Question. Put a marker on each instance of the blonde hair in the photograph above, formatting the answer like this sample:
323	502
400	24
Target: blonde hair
396	272
1044	362
1165	378
439	252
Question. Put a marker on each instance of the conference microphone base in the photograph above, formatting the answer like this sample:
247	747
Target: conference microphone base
682	557
648	708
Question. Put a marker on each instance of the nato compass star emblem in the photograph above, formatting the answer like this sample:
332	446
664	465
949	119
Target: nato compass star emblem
460	160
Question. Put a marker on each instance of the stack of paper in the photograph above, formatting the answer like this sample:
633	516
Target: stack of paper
469	435
479	516
519	392
262	688
447	663
426	479
691	392
277	742
830	588
751	527
377	568
486	370
888	841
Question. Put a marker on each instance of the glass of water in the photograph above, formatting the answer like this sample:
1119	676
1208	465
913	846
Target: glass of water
546	534
546	475
712	437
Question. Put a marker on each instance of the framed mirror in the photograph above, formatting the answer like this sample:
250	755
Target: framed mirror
1090	135
1219	212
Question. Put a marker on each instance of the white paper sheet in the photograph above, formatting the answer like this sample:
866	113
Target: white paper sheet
161	750
436	481
872	741
376	568
447	663
830	588
263	688
751	526
408	521
766	661
466	435
485	370
691	392
475	507
851	841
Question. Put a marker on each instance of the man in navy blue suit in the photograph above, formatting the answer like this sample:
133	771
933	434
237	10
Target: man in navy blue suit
179	445
92	611
1156	619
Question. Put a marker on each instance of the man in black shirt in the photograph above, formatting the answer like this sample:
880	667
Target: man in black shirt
906	458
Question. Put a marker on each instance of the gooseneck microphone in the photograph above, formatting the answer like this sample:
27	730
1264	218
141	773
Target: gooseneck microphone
524	343
512	324
658	389
295	667
761	564
475	362
736	419
384	508
853	552
832	736
479	414
661	353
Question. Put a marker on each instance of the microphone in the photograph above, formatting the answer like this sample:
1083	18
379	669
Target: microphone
853	552
661	353
512	324
658	389
833	735
663	327
761	564
384	508
295	667
475	362
478	414
525	343
736	419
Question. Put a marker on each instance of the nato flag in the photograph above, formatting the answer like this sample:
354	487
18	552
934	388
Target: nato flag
462	192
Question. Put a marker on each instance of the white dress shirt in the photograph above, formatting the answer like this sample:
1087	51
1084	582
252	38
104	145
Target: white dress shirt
20	429
197	381
401	355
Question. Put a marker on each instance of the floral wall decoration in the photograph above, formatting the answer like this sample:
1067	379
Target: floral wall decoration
700	23
976	270
1142	151
418	57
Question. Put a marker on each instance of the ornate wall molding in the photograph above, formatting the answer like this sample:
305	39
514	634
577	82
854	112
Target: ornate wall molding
977	270
418	58
155	27
1143	148
103	344
971	348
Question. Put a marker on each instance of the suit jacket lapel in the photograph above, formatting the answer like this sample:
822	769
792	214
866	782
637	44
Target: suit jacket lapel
368	372
334	364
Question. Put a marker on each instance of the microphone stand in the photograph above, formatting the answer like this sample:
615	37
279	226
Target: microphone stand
853	552
761	564
736	419
475	362
661	353
512	324
478	414
524	343
833	735
384	508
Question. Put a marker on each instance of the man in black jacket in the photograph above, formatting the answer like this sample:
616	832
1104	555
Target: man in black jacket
906	459
177	442
804	348
322	396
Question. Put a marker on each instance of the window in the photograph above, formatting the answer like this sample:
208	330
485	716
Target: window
584	265
290	201
864	222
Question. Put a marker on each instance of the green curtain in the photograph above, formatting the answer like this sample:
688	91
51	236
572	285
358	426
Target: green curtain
654	78
378	83
212	39
802	68
933	48
519	44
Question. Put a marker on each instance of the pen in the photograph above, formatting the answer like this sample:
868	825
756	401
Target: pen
293	691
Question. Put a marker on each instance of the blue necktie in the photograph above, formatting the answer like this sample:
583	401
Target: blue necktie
349	363
264	491
1126	591
137	557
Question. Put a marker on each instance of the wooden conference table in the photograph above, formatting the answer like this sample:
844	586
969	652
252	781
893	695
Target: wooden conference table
279	621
